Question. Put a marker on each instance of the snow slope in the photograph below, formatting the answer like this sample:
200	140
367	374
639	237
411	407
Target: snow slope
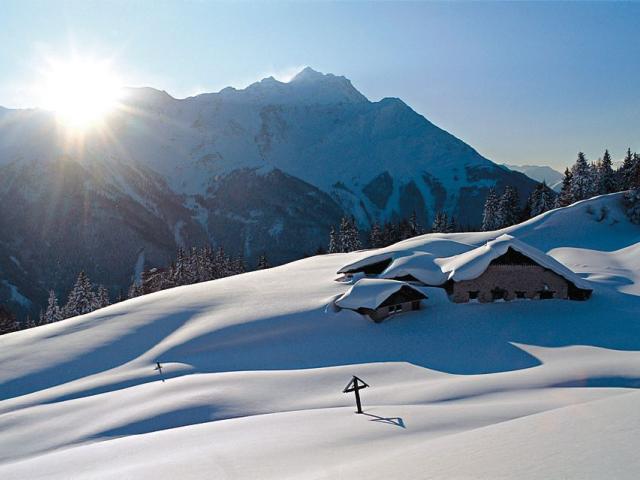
254	366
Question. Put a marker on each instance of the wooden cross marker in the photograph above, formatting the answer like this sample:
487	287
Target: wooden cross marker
355	385
159	368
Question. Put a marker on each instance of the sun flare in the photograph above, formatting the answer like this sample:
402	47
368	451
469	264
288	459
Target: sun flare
81	92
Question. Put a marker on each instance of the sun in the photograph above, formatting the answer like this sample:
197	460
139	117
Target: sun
81	92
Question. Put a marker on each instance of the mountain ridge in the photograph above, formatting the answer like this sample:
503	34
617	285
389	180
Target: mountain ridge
241	169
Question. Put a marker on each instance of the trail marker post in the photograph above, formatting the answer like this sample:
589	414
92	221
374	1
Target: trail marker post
355	385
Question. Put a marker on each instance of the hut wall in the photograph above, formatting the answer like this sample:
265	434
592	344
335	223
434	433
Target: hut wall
529	279
381	313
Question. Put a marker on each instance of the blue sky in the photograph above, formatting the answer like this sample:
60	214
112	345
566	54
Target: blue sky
520	82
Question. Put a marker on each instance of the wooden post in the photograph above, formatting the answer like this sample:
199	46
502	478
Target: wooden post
355	385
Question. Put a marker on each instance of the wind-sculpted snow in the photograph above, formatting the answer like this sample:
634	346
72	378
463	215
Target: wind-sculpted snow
253	367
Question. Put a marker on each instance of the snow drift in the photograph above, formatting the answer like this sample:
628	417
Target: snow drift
253	368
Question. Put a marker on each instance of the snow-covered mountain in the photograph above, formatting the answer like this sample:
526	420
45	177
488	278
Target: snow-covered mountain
540	173
253	368
264	169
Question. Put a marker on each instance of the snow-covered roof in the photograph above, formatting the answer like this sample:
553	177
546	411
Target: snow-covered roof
472	264
431	269
371	293
420	265
365	262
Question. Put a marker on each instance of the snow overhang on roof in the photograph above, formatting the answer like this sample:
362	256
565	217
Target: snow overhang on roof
370	293
472	264
366	262
419	265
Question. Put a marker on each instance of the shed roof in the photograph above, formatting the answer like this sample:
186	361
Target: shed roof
370	293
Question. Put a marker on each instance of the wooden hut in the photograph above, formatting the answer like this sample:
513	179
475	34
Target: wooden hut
378	299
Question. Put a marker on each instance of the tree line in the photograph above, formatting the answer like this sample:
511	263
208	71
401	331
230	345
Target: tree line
347	237
582	181
190	266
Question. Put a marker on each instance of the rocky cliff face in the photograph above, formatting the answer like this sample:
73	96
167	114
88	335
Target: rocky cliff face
264	169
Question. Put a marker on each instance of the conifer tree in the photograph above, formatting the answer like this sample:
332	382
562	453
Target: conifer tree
375	237
565	197
508	208
440	223
82	299
53	312
582	179
180	273
634	173
7	321
263	263
334	242
631	202
238	266
490	213
135	290
540	200
414	227
625	171
349	235
606	175
451	225
103	297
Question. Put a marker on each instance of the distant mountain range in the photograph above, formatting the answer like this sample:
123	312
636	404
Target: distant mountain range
540	174
264	169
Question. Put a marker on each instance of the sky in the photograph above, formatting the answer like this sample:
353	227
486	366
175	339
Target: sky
523	83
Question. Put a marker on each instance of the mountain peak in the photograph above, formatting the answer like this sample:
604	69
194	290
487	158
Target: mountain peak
308	74
307	87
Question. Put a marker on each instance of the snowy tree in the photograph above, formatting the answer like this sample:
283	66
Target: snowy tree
390	234
263	263
490	213
82	299
606	175
565	197
440	223
349	235
376	239
103	297
631	202
634	172
626	171
451	225
181	273
508	208
7	321
238	266
582	181
540	200
135	290
53	312
334	241
414	227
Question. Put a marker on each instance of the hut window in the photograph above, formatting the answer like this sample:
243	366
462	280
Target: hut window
546	294
520	294
473	294
498	293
